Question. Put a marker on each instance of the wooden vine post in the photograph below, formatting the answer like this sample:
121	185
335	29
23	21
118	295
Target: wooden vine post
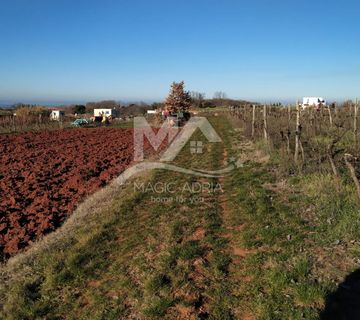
297	133
330	116
253	121
336	110
265	123
288	142
289	116
355	120
13	123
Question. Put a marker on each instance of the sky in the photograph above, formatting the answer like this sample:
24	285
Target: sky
63	51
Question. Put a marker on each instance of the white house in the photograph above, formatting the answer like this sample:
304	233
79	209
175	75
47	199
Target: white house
100	112
313	102
152	112
57	115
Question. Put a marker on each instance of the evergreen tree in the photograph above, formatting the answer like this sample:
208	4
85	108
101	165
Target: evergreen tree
178	99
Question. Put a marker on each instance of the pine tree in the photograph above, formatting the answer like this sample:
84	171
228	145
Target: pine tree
178	99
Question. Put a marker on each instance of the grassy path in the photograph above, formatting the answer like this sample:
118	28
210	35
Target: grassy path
159	253
176	246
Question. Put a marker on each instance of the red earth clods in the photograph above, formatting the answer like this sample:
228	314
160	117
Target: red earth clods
44	175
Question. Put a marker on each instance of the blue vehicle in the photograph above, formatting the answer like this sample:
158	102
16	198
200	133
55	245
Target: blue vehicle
80	122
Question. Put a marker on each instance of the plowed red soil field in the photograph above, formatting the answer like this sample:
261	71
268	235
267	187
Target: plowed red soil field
44	175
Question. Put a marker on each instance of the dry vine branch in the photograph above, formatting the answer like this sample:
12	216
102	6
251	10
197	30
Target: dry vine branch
351	168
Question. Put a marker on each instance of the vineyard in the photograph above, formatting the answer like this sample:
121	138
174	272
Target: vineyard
28	119
323	140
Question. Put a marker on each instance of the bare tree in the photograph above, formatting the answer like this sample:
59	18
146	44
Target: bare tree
197	98
220	95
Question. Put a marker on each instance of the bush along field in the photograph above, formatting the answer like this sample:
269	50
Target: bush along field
273	239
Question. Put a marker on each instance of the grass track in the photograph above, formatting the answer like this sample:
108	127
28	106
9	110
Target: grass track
243	252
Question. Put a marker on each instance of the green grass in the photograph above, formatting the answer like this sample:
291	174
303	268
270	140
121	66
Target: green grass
152	260
301	236
140	259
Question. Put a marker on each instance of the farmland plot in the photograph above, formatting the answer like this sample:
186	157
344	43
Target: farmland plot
43	176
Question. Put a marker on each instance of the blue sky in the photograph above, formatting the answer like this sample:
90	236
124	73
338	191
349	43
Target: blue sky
86	50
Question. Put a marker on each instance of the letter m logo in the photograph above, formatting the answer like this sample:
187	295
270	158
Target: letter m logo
176	138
